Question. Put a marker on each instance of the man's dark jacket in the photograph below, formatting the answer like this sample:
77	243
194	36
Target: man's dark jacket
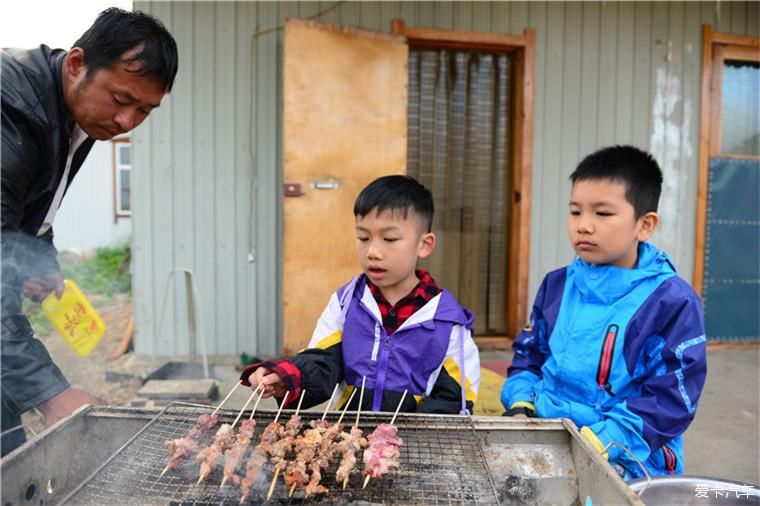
36	128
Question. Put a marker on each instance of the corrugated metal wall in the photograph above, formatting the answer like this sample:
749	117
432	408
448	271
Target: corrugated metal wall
605	73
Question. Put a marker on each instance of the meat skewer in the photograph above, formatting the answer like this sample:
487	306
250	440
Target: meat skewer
314	452
351	444
179	449
235	452
258	458
318	457
327	434
278	456
223	439
384	448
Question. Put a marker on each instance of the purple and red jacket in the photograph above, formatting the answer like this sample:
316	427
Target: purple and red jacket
431	355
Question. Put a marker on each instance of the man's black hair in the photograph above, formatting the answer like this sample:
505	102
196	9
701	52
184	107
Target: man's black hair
116	31
636	169
396	193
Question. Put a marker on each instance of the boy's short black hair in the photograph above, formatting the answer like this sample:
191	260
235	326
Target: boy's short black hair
396	193
116	31
636	169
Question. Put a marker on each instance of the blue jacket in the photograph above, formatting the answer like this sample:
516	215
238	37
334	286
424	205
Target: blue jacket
621	351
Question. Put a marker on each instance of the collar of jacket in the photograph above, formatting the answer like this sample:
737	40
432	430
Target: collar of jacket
443	307
56	67
606	283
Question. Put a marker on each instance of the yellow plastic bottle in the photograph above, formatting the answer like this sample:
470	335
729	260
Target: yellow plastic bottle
75	318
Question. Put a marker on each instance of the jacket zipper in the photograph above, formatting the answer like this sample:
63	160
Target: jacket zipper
670	460
605	359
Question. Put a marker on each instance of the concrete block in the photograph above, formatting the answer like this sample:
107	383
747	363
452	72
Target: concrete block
185	390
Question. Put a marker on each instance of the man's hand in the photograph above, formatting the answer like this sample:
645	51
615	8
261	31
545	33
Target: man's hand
270	381
63	404
39	288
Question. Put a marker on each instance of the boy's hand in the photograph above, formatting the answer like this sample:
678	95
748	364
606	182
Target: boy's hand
270	381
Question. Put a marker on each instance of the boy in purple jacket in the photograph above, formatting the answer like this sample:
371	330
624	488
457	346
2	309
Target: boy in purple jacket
616	340
392	324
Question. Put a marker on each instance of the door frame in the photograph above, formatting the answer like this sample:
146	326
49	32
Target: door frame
523	47
716	48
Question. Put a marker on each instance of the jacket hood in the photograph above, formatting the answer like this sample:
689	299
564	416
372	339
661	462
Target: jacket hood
606	283
449	310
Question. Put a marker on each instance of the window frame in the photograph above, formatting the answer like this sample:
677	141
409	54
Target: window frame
523	48
116	169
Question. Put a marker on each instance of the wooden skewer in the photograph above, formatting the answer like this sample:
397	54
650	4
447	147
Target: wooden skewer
284	400
361	400
346	407
366	480
256	405
292	489
225	399
329	402
250	398
298	408
274	481
398	407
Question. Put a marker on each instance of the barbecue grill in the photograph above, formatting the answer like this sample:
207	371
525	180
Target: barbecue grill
114	456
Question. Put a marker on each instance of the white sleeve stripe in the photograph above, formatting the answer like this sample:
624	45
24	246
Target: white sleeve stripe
471	357
328	323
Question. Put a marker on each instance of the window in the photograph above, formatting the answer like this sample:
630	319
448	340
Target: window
122	161
740	103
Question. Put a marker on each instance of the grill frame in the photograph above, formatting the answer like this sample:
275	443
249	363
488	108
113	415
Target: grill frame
427	475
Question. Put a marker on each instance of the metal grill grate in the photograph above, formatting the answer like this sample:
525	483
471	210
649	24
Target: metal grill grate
442	462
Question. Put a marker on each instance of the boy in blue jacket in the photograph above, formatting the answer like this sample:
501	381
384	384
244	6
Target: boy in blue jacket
392	324
616	340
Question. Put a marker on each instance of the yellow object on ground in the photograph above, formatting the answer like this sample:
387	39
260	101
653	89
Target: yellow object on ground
75	318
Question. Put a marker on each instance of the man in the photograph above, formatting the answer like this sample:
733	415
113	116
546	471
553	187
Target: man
55	104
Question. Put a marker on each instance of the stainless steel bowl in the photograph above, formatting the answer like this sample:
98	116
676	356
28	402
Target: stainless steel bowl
701	490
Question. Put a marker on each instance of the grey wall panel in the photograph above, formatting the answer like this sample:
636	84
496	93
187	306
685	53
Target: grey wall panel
183	212
207	179
269	179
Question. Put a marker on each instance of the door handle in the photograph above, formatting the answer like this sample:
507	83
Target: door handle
325	184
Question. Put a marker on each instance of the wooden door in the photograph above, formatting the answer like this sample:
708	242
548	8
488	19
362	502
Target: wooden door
344	124
727	272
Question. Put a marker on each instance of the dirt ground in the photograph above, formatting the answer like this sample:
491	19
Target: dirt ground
89	372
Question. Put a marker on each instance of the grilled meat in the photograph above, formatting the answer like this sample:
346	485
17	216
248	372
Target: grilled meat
383	452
